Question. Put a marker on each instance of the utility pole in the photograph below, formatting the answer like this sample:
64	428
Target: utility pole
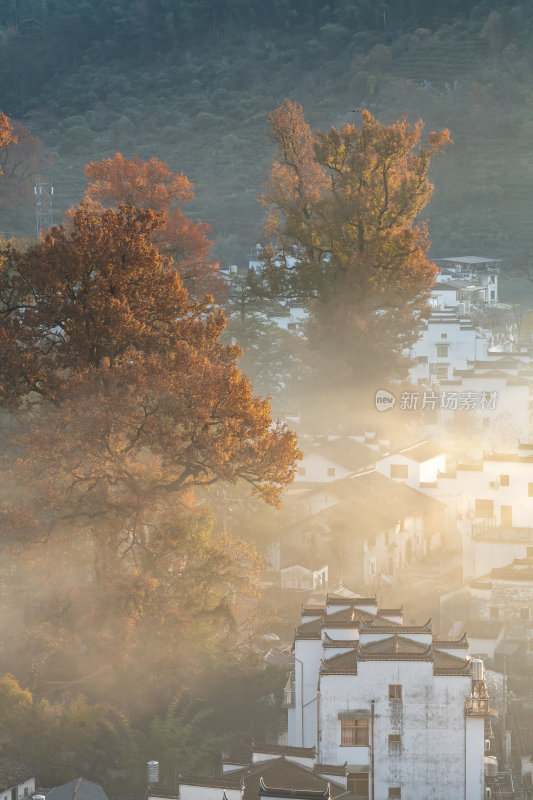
44	193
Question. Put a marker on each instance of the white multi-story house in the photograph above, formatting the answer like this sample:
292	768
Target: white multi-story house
489	501
404	712
479	271
448	340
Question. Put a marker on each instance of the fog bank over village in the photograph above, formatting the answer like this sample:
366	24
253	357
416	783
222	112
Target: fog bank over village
266	400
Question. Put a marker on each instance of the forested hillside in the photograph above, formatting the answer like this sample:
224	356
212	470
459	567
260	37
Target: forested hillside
188	82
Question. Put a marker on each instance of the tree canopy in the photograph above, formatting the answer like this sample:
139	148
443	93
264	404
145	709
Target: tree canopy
125	400
151	185
344	234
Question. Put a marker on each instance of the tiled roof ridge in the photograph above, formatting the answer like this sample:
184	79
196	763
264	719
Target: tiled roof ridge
450	643
329	642
370	652
331	769
298	794
427	627
283	749
335	664
210	781
351	601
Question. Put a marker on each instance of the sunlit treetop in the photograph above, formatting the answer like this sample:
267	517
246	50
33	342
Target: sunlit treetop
7	135
151	185
144	184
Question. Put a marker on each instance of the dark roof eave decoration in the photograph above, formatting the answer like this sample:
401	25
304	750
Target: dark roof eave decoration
428	656
284	750
331	769
369	627
221	783
297	794
449	644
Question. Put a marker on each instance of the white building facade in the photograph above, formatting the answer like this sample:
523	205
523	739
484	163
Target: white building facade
404	712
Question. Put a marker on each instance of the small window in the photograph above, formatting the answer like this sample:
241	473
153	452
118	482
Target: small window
372	567
395	743
524	613
395	793
484	508
444	336
26	791
395	691
354	733
357	784
504	480
422	359
291	326
530	490
442	351
399	471
331	472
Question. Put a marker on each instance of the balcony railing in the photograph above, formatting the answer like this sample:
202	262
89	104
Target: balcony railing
492	532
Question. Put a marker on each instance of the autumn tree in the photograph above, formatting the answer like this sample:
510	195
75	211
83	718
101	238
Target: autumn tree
344	236
151	185
127	400
7	134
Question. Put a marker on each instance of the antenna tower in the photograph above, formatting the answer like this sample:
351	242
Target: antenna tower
44	194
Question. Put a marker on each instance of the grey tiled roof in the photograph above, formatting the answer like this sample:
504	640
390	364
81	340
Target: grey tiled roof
79	789
12	772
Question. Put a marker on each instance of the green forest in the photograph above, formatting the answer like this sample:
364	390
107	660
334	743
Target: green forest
188	82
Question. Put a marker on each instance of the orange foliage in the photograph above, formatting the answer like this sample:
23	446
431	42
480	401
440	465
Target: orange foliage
344	205
145	184
99	326
7	134
151	185
127	400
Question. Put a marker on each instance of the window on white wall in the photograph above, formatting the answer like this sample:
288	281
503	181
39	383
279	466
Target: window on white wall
357	784
354	732
395	691
399	471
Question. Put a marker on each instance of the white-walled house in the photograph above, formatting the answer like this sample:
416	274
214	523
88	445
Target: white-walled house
16	780
480	271
446	341
404	711
334	458
488	502
416	465
366	526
